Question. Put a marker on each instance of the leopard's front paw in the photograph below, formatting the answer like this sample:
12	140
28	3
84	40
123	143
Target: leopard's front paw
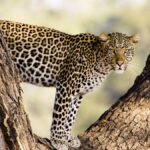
59	145
74	142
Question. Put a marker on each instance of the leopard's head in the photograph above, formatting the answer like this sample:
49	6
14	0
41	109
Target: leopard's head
120	49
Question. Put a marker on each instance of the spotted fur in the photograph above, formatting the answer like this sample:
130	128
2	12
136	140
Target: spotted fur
74	64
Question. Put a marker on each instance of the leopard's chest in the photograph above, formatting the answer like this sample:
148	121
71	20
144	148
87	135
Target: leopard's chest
91	83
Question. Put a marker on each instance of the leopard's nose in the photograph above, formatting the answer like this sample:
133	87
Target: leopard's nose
120	63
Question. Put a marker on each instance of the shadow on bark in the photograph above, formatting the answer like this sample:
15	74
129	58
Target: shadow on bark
125	126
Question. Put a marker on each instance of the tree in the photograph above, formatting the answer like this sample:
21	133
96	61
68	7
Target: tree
125	126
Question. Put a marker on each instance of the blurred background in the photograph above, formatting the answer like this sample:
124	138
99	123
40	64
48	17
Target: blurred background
73	17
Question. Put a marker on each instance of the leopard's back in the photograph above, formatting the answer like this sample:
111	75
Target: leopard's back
38	52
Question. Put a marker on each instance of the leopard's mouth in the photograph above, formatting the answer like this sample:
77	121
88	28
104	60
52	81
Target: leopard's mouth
120	69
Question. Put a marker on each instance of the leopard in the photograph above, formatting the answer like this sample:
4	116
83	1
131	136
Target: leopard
75	64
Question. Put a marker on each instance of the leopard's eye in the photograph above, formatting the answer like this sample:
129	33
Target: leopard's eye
129	52
111	53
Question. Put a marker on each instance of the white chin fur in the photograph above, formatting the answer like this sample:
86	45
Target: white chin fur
120	71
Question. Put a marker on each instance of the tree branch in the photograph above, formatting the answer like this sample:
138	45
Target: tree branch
126	125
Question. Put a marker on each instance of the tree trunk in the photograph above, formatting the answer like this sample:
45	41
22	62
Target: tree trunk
125	126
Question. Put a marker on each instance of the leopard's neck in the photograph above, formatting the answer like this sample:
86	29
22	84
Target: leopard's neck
102	64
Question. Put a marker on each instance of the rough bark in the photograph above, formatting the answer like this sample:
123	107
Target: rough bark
125	126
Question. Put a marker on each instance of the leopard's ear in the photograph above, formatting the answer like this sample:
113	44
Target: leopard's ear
134	38
104	37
